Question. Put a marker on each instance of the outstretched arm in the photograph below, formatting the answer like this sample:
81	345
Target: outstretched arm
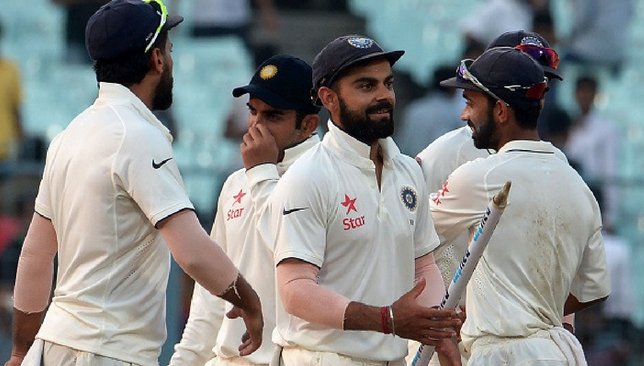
303	297
202	259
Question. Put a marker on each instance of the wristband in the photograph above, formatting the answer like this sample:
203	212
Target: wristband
384	320
391	317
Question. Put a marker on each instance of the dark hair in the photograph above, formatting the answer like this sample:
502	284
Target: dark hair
526	116
299	117
128	69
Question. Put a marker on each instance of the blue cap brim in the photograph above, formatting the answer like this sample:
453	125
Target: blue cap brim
272	99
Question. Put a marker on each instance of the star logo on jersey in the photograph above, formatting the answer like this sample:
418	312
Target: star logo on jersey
436	197
349	203
238	197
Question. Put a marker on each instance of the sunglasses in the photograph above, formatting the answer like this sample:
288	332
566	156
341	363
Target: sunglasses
535	91
464	74
163	12
545	56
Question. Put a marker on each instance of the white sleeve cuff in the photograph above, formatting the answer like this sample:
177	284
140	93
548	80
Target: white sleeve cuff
262	172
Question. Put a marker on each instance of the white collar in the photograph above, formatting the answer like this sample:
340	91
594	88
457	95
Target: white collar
357	152
113	91
293	153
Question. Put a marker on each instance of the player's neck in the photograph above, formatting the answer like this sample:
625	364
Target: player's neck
375	154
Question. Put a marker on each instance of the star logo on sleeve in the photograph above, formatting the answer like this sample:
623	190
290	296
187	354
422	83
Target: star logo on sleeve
349	203
436	197
238	197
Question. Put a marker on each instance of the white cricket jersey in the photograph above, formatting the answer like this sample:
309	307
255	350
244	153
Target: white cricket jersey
547	244
241	228
328	211
451	150
109	178
438	161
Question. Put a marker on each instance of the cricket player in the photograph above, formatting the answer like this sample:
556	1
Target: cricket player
546	257
281	126
451	150
112	207
353	228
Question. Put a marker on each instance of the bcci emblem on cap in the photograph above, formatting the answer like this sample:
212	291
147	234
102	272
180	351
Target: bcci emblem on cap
360	42
409	198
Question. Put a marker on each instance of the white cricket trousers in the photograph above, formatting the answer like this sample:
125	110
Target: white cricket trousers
53	354
234	361
412	347
555	347
295	356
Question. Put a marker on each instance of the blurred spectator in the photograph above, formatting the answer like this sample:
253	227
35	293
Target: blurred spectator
429	117
77	13
599	35
494	17
554	125
215	18
607	331
13	227
593	142
10	99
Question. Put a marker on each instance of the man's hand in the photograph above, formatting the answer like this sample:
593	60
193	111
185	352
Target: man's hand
448	353
258	147
420	323
247	306
15	360
252	338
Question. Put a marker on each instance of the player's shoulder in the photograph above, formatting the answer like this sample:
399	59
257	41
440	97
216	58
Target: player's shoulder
314	165
236	178
449	140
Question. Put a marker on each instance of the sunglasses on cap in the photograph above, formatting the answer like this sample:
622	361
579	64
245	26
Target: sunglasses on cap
545	56
535	91
163	11
464	74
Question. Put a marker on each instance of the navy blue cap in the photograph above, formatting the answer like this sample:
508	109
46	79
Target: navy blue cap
344	52
522	37
502	67
284	82
123	26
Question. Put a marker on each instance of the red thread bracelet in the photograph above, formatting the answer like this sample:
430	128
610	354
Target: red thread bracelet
384	317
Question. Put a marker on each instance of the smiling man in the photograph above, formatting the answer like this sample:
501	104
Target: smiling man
353	228
546	257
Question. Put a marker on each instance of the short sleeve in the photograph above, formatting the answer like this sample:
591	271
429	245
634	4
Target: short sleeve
425	236
43	200
460	203
592	281
298	218
147	171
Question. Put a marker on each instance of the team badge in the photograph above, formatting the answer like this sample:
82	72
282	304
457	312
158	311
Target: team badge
360	42
268	72
530	40
409	198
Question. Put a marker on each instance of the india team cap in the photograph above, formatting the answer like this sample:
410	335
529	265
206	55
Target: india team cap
282	81
342	53
123	26
511	75
523	38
